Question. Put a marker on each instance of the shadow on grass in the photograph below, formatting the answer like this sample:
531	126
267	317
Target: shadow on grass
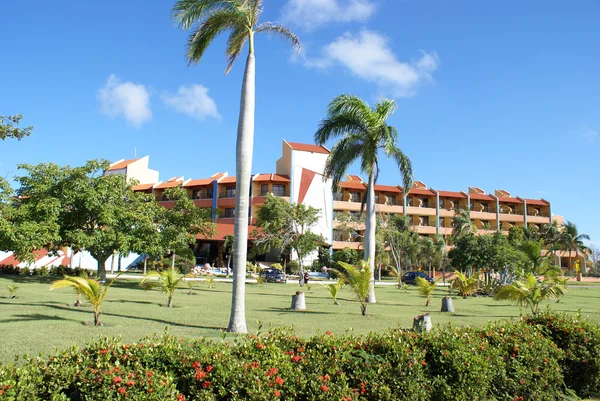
132	302
161	321
33	317
29	279
288	310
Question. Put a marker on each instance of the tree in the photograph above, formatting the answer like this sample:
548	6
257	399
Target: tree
359	278
166	281
426	289
90	288
9	129
571	241
364	133
465	286
208	18
282	224
595	256
462	224
535	259
530	291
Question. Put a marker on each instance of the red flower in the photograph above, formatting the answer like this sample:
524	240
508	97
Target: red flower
296	358
117	380
149	373
423	363
103	351
122	390
200	374
326	377
180	397
324	388
130	383
276	393
271	372
254	365
260	346
206	385
279	380
329	333
116	369
195	365
209	368
300	349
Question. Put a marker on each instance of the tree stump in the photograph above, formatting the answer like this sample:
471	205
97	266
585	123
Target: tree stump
422	323
447	305
298	301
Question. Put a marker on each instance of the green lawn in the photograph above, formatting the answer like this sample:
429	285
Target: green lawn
39	320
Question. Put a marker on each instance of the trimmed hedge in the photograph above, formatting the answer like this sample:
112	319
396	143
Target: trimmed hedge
535	358
44	271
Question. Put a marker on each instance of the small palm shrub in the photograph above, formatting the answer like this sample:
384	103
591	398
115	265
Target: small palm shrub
12	290
359	280
530	291
426	289
465	286
334	289
166	281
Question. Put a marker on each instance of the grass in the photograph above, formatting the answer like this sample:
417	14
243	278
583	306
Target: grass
38	320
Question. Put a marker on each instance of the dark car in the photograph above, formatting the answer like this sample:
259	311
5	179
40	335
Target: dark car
411	277
273	275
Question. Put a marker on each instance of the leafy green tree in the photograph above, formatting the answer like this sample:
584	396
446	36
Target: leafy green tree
426	289
166	281
207	19
571	241
282	224
346	255
530	291
90	288
9	127
364	134
535	259
359	279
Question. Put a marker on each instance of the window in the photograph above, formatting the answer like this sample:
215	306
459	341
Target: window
424	202
424	220
195	194
230	192
472	205
391	199
441	203
355	196
486	206
264	189
229	212
209	192
338	196
409	201
456	205
278	190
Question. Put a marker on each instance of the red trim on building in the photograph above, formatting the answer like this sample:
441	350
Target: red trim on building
305	147
305	181
481	197
450	194
509	200
419	191
353	185
225	229
387	188
537	202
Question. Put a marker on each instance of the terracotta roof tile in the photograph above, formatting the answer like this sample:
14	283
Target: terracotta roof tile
537	202
353	185
171	184
271	178
121	164
142	187
507	199
387	188
420	191
305	147
199	182
481	197
450	194
227	180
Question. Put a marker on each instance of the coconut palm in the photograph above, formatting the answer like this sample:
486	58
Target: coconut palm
207	19
571	241
166	281
531	292
425	288
464	285
462	224
90	288
333	288
364	133
535	259
359	279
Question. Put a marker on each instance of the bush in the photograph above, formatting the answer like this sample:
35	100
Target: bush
515	360
293	267
580	340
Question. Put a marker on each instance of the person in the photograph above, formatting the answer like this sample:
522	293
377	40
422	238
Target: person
305	277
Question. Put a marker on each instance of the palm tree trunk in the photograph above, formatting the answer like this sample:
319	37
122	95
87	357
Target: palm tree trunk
170	301
96	318
112	265
145	263
245	143
370	235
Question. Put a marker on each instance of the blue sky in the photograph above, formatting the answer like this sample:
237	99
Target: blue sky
490	94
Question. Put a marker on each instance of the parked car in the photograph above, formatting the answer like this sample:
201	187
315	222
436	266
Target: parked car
411	277
273	275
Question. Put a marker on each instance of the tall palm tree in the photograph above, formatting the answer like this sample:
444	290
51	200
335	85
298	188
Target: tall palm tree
364	133
207	19
571	241
462	224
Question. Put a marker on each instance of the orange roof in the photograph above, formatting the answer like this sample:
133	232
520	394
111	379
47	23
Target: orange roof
419	191
121	164
477	190
228	180
272	178
507	199
353	185
387	188
199	182
142	187
168	184
226	229
355	177
419	184
305	147
537	202
449	194
481	197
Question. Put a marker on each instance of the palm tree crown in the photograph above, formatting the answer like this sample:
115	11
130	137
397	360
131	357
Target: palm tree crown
364	133
571	241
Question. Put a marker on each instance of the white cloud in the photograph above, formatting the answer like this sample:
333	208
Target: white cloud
126	99
313	13
192	100
589	135
369	57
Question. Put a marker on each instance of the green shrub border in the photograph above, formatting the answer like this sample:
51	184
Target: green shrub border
544	357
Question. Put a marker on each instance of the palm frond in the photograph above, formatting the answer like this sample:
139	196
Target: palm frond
343	154
215	23
235	45
186	13
404	166
284	32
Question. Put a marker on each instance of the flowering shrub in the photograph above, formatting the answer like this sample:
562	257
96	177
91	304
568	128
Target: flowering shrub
515	360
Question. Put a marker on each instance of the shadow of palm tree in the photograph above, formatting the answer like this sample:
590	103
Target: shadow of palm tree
33	317
288	310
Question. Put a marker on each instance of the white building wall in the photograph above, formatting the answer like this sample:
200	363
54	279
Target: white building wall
140	171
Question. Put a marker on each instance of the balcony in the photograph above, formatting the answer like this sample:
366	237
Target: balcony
538	219
421	211
512	218
424	229
227	194
338	245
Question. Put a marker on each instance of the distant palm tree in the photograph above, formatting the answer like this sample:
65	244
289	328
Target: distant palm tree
364	133
166	281
209	18
571	241
359	279
462	224
90	288
531	292
425	288
536	260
